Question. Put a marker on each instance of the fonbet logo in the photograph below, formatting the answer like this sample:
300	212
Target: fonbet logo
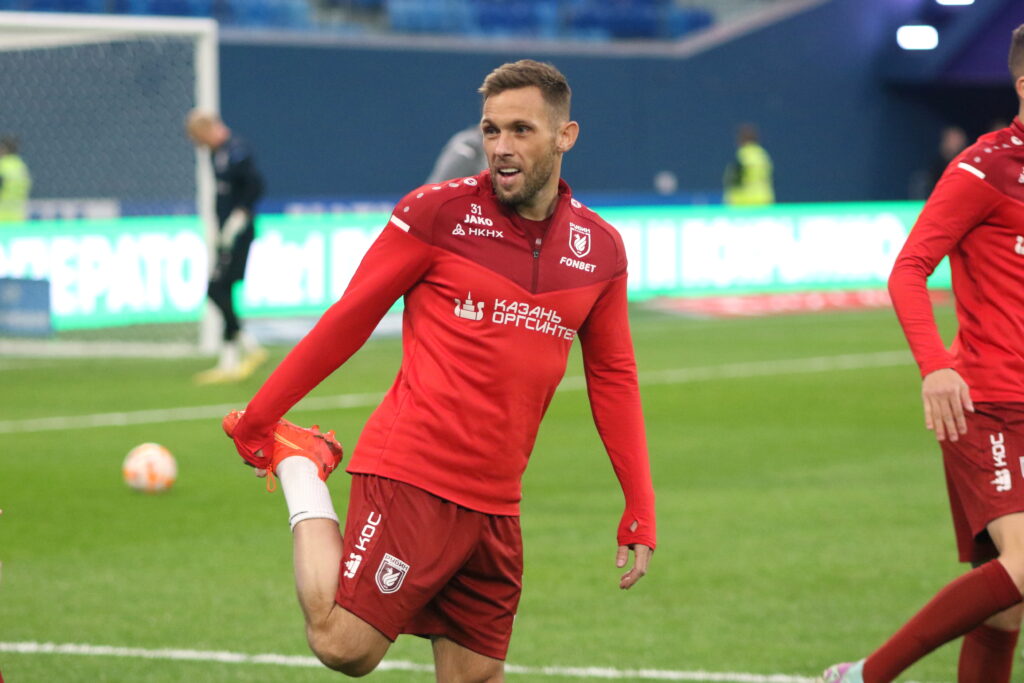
390	574
1002	481
465	309
1019	247
579	240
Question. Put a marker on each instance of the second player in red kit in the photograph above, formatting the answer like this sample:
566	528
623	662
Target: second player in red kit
973	396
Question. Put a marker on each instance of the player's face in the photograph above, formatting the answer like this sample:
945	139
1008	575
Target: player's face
211	135
523	143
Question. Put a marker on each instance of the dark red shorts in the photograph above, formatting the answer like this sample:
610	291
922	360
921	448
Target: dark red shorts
985	475
415	563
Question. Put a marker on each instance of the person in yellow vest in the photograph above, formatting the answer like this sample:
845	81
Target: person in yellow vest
15	182
748	178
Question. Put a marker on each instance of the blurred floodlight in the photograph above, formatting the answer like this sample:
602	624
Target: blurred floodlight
955	2
917	37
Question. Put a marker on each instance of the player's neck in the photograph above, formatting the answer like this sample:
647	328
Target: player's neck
544	202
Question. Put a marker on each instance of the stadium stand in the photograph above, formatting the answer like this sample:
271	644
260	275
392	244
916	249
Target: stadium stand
546	19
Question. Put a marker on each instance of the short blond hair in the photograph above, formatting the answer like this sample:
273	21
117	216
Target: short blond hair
1016	58
526	73
198	120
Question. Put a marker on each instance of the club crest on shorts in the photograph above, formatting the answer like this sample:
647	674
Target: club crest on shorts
579	240
390	574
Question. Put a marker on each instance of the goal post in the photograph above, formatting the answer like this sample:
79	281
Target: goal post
98	104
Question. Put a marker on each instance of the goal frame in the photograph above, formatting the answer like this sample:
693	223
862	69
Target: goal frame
56	29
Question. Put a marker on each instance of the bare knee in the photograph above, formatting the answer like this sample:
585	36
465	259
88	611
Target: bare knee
1007	620
348	656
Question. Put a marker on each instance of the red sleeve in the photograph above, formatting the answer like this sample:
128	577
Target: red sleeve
960	202
615	402
393	264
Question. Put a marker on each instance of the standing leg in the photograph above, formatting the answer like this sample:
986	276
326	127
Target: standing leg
987	653
229	365
457	664
960	607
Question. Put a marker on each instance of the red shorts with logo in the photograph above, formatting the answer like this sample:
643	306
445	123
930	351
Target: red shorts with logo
985	475
415	563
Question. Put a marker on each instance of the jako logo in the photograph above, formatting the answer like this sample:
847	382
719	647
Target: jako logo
1019	247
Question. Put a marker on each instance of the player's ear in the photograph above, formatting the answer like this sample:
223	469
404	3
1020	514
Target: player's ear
1019	87
567	134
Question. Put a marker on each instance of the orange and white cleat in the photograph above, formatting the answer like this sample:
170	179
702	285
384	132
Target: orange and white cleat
290	439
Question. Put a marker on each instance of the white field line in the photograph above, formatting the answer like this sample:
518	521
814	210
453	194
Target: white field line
396	665
677	376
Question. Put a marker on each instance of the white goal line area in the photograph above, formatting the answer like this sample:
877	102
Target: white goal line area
725	371
307	661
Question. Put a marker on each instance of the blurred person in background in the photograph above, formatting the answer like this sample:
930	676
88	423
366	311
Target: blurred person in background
973	399
15	182
462	156
748	178
239	187
952	141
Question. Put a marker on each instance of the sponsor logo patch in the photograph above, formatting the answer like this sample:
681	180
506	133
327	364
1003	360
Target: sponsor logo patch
468	310
352	565
1002	480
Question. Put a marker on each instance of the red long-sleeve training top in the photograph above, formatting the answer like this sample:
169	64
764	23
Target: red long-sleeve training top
976	216
492	306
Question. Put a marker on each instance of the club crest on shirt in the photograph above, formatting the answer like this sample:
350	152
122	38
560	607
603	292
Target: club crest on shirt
579	240
390	574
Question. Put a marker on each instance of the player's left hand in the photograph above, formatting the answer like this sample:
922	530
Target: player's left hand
642	557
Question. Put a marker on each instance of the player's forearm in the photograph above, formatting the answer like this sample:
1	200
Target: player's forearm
614	392
619	420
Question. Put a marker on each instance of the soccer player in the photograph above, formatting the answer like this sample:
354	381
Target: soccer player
239	187
500	273
973	399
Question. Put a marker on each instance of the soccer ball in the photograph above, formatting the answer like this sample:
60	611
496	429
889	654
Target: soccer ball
149	467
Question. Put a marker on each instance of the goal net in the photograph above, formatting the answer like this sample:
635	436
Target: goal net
97	105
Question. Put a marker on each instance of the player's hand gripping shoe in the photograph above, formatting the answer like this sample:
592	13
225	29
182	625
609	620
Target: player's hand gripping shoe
291	439
849	672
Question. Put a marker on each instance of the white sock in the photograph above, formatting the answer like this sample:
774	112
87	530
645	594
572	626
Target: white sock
229	357
248	342
306	494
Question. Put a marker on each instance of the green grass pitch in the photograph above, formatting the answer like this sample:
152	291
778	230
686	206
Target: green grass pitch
802	516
